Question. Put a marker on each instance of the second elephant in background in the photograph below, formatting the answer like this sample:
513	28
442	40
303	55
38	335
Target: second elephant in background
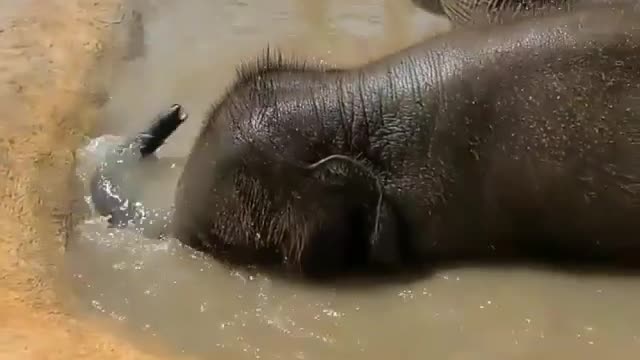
465	13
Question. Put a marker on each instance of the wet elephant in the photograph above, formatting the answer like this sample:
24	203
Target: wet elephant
465	13
517	140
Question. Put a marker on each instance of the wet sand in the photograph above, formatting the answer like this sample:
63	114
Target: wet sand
47	50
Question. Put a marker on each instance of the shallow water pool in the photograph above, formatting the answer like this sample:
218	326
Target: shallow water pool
160	289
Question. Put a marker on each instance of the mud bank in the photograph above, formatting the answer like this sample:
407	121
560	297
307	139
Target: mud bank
47	52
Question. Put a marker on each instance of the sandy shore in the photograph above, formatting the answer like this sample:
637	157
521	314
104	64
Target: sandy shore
47	50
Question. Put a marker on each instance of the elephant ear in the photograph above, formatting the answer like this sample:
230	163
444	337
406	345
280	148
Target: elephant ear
364	187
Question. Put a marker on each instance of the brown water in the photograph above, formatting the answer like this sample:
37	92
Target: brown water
152	288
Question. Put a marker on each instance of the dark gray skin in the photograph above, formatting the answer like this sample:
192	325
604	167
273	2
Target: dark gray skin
467	13
514	141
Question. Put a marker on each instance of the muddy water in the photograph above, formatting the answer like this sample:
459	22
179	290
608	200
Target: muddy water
186	52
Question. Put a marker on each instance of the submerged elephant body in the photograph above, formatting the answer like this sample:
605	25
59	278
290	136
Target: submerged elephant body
513	141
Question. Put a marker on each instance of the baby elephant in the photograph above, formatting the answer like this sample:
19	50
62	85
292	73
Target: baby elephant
515	141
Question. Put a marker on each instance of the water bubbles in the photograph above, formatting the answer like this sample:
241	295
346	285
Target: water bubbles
226	324
96	305
119	265
138	265
483	306
332	313
160	246
406	294
117	317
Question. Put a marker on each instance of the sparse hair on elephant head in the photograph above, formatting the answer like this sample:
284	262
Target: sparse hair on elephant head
274	178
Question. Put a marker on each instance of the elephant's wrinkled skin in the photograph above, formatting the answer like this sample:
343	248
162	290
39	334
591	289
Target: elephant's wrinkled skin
466	13
517	140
